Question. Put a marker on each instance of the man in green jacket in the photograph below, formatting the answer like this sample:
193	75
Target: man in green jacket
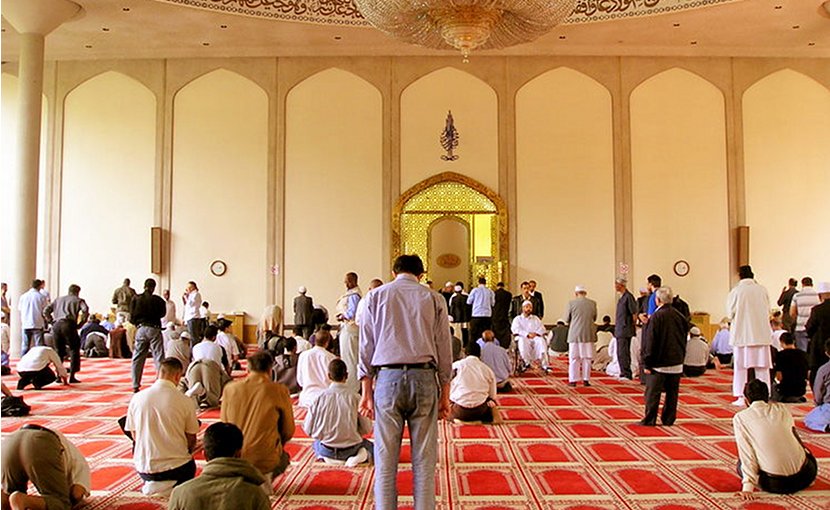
227	481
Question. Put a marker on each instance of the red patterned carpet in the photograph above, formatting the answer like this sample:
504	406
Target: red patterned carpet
559	448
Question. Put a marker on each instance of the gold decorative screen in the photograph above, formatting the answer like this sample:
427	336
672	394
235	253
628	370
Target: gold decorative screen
455	196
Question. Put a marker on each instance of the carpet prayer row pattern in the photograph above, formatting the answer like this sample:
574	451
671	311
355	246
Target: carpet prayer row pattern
559	448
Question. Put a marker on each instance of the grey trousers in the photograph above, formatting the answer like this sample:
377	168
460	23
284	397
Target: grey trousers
147	340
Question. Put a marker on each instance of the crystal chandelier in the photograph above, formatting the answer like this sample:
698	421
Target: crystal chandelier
465	25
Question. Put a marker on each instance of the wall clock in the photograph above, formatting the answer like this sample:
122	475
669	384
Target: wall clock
681	268
218	268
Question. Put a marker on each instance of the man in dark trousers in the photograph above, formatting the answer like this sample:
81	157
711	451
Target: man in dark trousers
664	348
146	312
624	321
68	312
303	310
818	328
501	315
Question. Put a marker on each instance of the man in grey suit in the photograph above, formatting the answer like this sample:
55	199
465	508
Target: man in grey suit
303	308
581	316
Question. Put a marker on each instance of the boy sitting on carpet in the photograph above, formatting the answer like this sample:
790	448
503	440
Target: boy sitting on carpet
790	370
819	418
334	423
473	388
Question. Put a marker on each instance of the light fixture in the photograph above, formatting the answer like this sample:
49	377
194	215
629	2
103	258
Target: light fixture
465	25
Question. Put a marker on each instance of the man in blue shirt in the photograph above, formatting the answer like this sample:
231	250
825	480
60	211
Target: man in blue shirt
497	359
482	299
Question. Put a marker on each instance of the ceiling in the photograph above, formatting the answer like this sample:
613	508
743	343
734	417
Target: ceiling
118	29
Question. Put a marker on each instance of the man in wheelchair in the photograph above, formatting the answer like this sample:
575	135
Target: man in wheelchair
529	335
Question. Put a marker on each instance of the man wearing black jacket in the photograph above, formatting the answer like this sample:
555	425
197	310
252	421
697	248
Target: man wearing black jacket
664	348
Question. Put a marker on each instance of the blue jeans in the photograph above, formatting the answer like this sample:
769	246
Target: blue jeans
342	453
31	338
411	397
147	340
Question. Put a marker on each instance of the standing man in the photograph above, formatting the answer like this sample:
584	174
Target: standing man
624	330
67	312
31	305
303	308
192	314
169	309
785	300
146	311
664	349
747	307
501	314
346	309
482	300
460	312
405	343
802	303
537	299
5	310
518	299
818	328
582	335
122	297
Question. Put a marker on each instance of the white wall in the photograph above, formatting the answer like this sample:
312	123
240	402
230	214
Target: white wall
220	162
565	189
333	170
678	167
474	106
108	181
787	173
449	236
8	159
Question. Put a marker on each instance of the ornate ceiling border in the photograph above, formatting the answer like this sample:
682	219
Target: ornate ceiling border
345	13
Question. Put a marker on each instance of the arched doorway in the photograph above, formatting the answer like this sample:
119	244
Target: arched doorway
456	225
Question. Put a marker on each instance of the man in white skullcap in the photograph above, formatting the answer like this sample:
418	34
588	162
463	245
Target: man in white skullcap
581	317
303	308
529	333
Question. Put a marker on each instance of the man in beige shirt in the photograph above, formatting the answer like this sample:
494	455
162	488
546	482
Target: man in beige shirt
772	456
262	410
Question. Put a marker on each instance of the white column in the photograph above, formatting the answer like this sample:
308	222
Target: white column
33	19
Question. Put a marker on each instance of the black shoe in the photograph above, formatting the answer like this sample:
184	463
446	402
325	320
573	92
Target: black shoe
74	380
136	390
586	383
572	384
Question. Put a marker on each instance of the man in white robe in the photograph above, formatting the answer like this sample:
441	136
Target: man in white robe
530	337
747	307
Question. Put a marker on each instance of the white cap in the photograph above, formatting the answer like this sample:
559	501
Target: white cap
580	288
185	334
823	287
220	316
302	290
695	331
527	302
448	284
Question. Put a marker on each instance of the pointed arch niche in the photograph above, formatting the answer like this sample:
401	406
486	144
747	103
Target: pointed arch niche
421	225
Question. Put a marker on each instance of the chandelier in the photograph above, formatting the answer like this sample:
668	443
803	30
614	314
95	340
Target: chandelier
465	25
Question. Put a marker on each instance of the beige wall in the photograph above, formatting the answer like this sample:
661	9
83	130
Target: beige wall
449	235
786	142
240	156
679	179
108	178
565	187
424	107
333	171
220	151
8	158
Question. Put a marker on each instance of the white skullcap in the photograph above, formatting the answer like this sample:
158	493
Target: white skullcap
527	302
302	290
185	334
580	288
823	287
448	284
220	316
695	331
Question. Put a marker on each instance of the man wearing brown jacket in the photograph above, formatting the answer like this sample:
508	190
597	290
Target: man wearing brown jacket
262	410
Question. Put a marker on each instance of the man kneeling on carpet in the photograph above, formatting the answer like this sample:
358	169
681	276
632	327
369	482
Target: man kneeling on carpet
162	422
473	389
335	425
208	369
771	455
56	468
819	418
33	368
227	481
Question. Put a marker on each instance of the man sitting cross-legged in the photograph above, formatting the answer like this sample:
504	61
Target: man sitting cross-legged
208	368
529	333
334	423
819	418
313	367
56	468
262	410
33	368
227	481
473	389
772	456
495	357
162	422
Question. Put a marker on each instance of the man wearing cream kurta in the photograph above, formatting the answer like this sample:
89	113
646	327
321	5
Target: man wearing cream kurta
348	336
530	337
747	307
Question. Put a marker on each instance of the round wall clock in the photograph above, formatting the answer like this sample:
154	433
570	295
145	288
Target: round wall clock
218	268
681	268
